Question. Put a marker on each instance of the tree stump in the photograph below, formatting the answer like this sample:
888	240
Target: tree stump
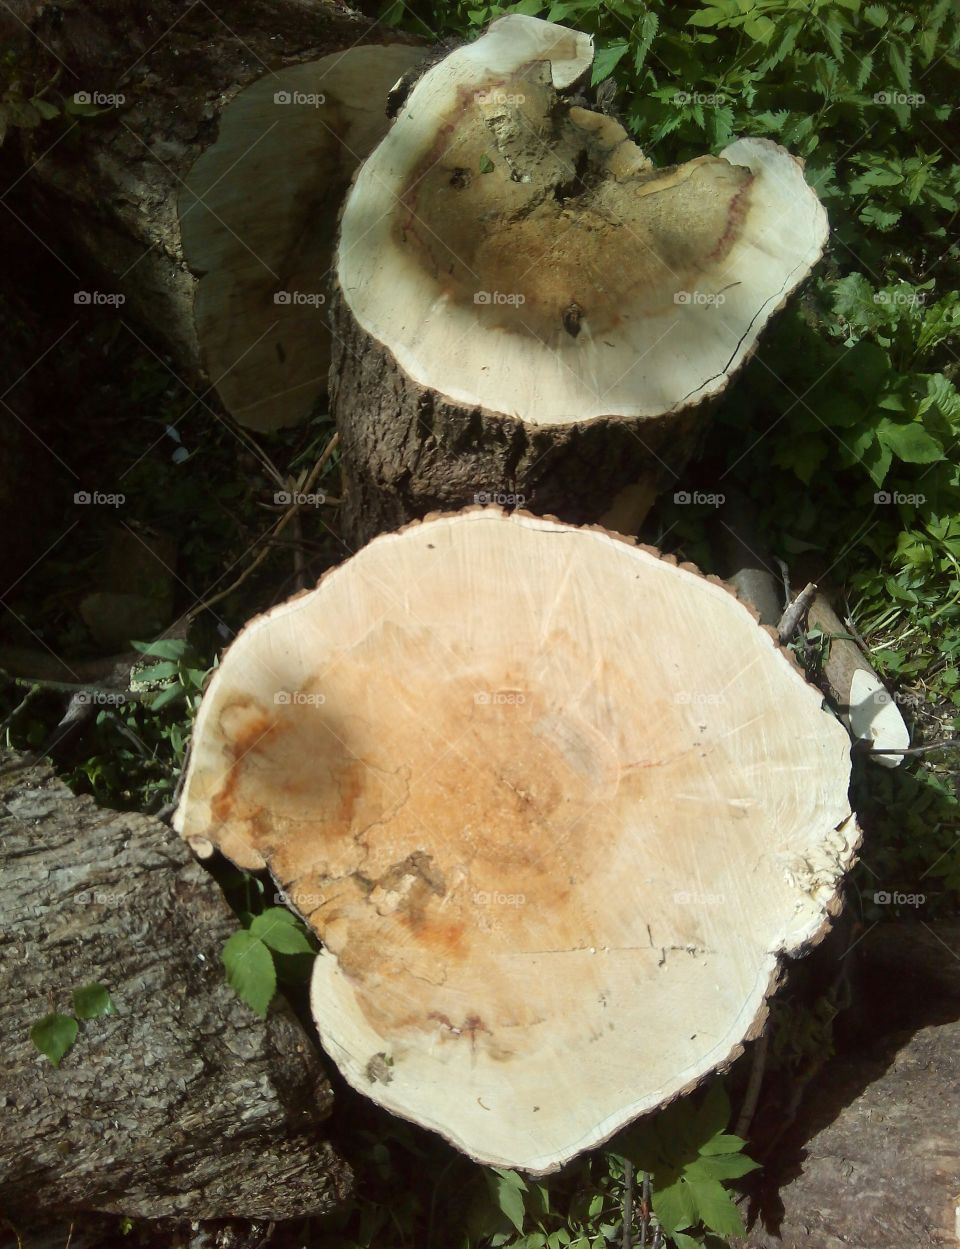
556	807
182	1104
203	198
526	310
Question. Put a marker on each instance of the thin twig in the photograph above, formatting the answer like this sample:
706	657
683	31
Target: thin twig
754	1085
30	695
644	1209
952	743
795	612
627	1204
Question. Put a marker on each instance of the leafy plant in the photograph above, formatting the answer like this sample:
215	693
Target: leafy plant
55	1034
248	955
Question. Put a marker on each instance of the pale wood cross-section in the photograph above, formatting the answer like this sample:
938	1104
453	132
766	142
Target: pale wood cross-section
555	806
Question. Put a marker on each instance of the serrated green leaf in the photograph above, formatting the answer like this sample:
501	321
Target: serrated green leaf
53	1036
674	1205
720	1167
876	15
649	25
279	929
715	1208
607	59
92	1001
900	58
250	970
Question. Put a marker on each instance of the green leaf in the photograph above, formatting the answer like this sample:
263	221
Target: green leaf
723	1144
716	1209
92	1001
163	648
713	1113
649	25
607	59
486	164
910	443
707	17
250	970
46	110
53	1035
165	696
674	1206
900	59
682	1241
509	1198
721	1166
281	931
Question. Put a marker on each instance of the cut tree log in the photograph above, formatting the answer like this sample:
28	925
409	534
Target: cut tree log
207	194
526	308
555	806
182	1104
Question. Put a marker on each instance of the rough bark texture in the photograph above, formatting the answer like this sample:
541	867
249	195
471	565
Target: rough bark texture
407	450
184	1103
110	185
874	1160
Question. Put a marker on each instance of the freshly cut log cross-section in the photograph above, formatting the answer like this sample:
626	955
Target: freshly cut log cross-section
554	805
533	287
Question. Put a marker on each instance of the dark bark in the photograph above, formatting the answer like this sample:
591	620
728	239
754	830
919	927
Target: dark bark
407	451
184	1103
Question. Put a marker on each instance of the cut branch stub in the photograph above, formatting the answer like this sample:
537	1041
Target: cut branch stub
555	806
258	216
519	258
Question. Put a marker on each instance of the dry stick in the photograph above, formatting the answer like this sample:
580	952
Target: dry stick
950	743
644	1209
795	612
753	1087
31	693
628	1204
281	524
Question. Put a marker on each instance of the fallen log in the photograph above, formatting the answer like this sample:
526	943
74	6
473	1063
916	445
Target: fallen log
526	311
202	200
184	1103
873	1160
555	853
